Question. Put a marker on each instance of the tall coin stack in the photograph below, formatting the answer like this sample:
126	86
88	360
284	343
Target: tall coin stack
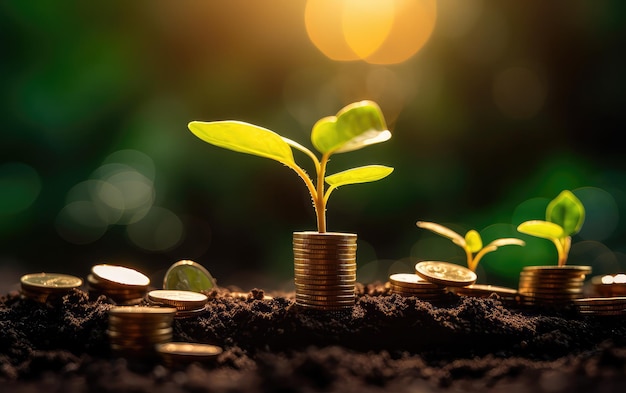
325	270
123	285
134	331
551	285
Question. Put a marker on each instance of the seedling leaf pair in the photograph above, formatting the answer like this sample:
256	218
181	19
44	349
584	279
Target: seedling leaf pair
354	127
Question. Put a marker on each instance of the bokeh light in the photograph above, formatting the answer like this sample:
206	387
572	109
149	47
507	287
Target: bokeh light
376	31
20	185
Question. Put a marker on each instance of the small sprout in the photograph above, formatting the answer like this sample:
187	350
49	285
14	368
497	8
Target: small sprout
565	215
472	243
356	126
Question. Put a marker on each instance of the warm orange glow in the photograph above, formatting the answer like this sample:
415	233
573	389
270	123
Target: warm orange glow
376	31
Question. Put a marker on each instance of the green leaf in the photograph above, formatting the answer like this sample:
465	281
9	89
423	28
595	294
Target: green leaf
544	229
355	126
473	240
364	174
443	231
567	211
244	138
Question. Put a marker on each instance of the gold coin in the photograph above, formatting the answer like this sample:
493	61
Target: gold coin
182	300
188	275
445	273
191	351
142	312
50	282
566	269
484	290
120	275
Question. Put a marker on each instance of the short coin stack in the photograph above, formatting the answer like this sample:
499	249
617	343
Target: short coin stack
123	285
506	295
609	285
187	303
602	306
551	285
135	330
183	353
325	270
44	286
410	284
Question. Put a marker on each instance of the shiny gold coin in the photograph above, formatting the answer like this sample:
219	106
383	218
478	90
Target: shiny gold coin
120	275
567	269
337	285
410	280
142	312
445	273
182	300
50	282
483	290
183	351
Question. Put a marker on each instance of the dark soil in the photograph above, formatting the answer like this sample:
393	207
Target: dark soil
387	343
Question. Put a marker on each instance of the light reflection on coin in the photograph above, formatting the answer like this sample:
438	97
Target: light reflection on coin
173	353
51	281
188	275
445	273
119	275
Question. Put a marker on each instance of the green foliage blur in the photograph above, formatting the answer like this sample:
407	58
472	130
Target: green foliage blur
503	108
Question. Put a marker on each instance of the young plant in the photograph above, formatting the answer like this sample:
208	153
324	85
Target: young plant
471	243
356	126
565	215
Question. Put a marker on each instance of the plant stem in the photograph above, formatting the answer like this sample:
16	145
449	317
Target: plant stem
320	201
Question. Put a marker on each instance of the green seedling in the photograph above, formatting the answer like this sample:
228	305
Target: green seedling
471	243
565	215
356	126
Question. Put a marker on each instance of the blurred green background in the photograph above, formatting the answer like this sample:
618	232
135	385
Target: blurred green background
506	104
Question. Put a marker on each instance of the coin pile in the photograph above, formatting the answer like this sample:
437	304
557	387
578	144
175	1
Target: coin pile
123	285
44	286
186	275
551	285
506	295
325	270
135	330
445	273
182	353
187	303
609	285
602	306
410	284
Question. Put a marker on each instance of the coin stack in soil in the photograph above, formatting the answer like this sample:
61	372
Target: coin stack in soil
183	353
409	284
504	294
325	270
187	303
614	306
123	285
609	285
135	330
551	285
45	286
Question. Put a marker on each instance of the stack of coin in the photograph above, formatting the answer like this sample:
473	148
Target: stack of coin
609	285
551	285
134	330
325	270
44	286
186	275
410	284
182	353
506	295
602	306
187	303
122	284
